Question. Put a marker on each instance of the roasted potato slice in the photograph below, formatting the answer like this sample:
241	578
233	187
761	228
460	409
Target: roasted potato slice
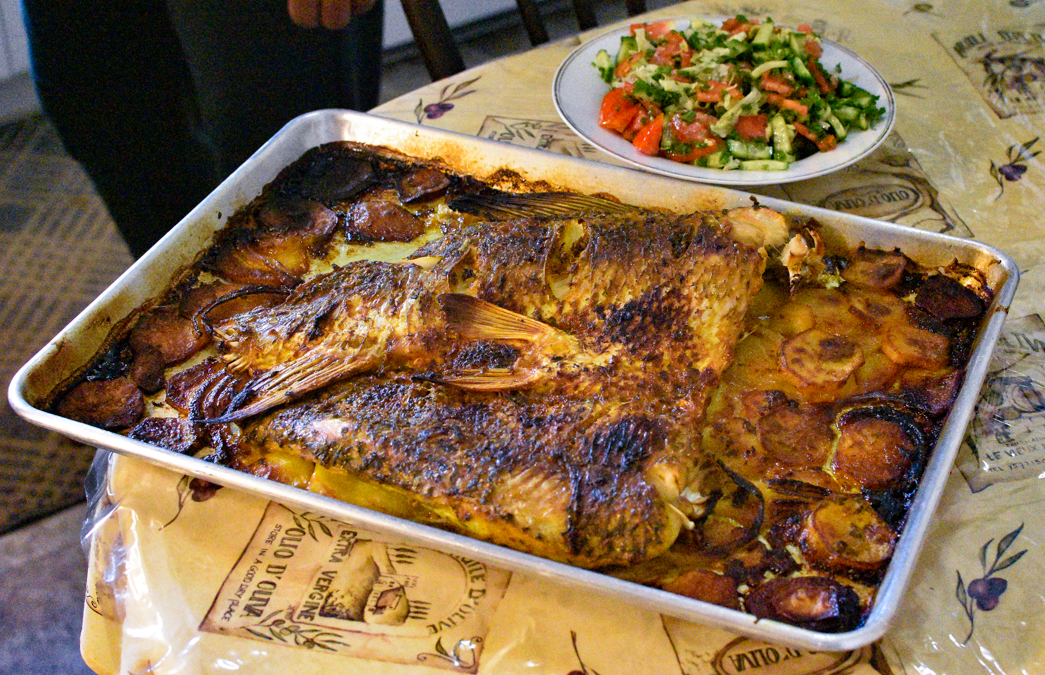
871	268
171	433
946	299
908	345
845	532
422	184
795	436
818	360
874	452
174	337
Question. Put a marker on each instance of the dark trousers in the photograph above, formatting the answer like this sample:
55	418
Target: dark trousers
159	100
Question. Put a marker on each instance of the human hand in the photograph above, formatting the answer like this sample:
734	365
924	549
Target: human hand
332	14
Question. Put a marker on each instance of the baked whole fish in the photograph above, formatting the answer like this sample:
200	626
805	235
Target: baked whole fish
537	383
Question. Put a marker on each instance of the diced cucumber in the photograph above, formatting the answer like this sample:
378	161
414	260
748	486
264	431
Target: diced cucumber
749	149
783	135
847	113
605	65
628	46
763	34
763	165
837	126
715	160
801	72
796	42
863	99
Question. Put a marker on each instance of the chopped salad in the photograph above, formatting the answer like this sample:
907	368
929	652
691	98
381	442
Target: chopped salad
746	95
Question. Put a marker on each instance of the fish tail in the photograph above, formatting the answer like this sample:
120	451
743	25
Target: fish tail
287	382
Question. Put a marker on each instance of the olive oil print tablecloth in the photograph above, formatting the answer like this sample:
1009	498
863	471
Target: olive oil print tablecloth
186	577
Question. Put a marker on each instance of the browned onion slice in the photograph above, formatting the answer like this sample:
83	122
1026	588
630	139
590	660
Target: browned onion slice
945	298
108	404
379	220
817	603
421	184
705	585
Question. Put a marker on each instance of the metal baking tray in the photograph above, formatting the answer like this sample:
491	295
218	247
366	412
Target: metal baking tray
78	343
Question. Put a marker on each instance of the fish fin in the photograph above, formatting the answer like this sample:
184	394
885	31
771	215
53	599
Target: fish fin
476	319
495	379
287	382
508	205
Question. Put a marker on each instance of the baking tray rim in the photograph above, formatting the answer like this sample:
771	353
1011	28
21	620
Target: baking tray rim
338	122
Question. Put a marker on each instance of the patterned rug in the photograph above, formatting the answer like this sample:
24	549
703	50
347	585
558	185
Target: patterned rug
58	251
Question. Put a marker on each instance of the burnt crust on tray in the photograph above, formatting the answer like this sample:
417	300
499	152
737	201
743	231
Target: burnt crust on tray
715	404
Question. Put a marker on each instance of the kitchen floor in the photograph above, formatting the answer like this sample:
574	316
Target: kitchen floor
58	250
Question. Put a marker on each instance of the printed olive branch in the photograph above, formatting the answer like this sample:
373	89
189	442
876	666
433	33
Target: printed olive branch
282	630
309	521
576	652
985	593
905	87
457	90
183	496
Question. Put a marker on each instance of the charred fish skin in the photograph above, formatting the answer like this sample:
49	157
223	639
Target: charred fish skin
564	479
577	466
590	277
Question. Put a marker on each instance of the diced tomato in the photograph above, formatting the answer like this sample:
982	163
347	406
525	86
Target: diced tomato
683	130
715	91
828	142
625	66
813	47
648	139
821	82
712	145
804	130
777	83
642	119
735	25
804	28
752	127
674	46
823	143
788	103
698	133
655	30
617	111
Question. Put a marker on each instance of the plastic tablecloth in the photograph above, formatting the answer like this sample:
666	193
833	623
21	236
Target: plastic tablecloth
187	577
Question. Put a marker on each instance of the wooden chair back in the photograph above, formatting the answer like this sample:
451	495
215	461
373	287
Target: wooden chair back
439	49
